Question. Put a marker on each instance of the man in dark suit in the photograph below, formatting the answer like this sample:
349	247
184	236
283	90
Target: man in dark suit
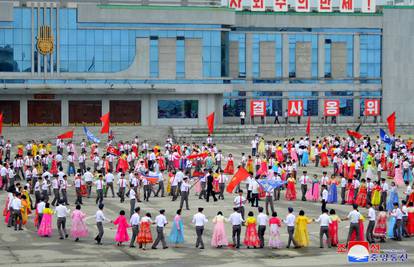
210	190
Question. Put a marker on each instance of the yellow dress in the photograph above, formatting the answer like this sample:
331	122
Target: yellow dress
261	147
301	231
26	193
25	209
34	150
49	148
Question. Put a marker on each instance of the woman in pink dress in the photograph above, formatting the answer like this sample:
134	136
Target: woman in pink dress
398	177
313	193
290	189
219	238
350	192
274	225
79	228
45	228
122	231
293	154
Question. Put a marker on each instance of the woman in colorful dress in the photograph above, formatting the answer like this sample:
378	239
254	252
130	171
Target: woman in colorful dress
393	197
219	238
333	227
251	238
25	209
279	154
177	230
230	165
261	149
122	231
274	225
333	192
410	223
398	177
301	229
313	193
361	199
380	230
144	236
351	169
324	158
350	192
290	189
376	195
79	228
249	165
45	228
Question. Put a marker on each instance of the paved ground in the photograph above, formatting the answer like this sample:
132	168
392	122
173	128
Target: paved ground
27	249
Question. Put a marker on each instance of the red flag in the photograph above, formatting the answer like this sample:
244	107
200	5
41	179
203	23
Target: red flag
112	150
105	122
1	123
354	134
67	135
201	155
308	127
391	123
238	177
210	122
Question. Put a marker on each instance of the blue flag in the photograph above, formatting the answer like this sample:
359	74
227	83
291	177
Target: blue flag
90	135
269	185
384	137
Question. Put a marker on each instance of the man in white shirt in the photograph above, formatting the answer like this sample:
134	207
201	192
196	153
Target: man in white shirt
199	220
174	184
109	179
262	220
324	199
242	117
254	147
161	222
290	222
134	222
61	213
160	184
255	192
354	217
88	177
122	183
99	189
185	191
100	219
236	221
384	190
304	180
16	206
132	199
222	184
55	188
371	223
40	207
397	213
404	211
343	189
324	221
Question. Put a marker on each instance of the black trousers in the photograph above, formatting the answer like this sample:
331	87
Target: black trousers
236	235
211	192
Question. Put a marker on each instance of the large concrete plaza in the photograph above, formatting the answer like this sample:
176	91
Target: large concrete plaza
25	248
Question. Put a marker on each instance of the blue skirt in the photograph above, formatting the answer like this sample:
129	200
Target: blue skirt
390	226
391	200
176	237
305	158
332	194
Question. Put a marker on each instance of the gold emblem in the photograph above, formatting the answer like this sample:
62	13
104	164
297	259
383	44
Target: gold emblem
45	40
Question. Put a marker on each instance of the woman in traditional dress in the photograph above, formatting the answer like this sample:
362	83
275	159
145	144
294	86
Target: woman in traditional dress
274	225
177	230
25	209
293	154
290	189
380	229
261	149
410	223
144	236
79	228
333	192
219	238
249	165
393	197
301	229
122	231
376	195
251	238
229	169
361	199
279	154
324	157
398	177
305	157
313	193
45	228
351	170
333	227
350	192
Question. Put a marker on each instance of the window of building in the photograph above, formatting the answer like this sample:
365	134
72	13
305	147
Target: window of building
293	39
368	95
273	101
211	54
310	101
241	39
370	56
177	109
180	57
234	103
154	71
267	37
346	101
349	40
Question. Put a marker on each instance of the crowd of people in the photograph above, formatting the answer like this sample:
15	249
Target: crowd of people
366	174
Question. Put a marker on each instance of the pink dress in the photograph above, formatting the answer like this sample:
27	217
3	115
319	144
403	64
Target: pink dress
274	239
79	228
45	228
121	232
293	154
219	237
398	178
313	192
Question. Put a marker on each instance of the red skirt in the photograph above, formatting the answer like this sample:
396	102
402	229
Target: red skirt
333	233
229	168
144	235
290	192
251	239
